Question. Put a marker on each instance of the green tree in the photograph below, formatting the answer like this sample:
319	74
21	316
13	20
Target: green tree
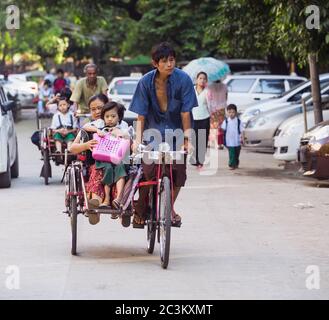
246	28
298	36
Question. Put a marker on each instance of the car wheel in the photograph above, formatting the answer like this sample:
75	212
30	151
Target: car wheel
5	178
15	167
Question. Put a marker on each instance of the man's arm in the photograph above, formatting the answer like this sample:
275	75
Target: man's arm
139	129
186	122
104	86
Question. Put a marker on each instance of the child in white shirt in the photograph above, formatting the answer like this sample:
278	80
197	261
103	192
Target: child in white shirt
64	124
233	128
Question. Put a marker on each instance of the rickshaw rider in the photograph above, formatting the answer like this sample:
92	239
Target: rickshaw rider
163	100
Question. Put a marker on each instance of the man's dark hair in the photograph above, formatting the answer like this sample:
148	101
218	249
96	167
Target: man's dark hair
232	107
101	96
162	50
60	71
111	105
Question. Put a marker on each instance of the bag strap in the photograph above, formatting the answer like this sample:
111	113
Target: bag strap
60	121
71	119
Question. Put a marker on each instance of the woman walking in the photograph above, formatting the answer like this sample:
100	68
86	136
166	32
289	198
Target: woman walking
201	117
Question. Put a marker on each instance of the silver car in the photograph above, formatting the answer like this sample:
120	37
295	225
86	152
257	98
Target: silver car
285	100
8	142
260	130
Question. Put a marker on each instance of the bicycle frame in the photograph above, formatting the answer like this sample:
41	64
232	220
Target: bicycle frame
160	172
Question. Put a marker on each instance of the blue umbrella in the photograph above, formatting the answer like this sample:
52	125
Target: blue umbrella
215	69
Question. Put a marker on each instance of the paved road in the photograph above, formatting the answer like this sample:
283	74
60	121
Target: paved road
242	238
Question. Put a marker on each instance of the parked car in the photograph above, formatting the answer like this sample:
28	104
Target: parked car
286	99
313	153
245	89
122	89
287	136
261	130
25	92
8	142
12	94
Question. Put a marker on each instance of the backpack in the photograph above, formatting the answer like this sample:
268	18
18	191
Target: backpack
239	131
35	138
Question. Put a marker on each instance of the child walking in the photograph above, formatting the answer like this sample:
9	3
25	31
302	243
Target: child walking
111	121
64	126
232	127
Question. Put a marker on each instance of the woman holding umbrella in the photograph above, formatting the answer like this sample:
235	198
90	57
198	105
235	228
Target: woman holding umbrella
201	117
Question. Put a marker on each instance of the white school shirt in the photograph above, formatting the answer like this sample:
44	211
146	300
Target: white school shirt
65	118
201	112
232	134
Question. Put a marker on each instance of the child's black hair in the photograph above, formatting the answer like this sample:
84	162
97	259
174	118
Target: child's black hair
162	50
232	107
111	105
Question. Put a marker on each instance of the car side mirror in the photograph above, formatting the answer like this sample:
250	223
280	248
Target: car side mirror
7	106
305	95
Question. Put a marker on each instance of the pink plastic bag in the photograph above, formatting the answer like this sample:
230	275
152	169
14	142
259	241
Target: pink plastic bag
110	148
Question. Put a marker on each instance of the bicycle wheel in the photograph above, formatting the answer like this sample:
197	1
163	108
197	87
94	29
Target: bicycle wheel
73	212
46	166
74	224
164	221
151	222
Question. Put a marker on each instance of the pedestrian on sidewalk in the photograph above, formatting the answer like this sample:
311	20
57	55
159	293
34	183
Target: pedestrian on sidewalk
232	127
201	123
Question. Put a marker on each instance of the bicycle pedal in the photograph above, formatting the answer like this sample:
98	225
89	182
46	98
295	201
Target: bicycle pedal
176	224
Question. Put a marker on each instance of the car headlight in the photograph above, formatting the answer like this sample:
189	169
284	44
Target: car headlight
291	131
258	122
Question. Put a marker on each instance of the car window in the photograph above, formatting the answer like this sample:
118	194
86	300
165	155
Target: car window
294	82
273	86
298	96
126	87
240	85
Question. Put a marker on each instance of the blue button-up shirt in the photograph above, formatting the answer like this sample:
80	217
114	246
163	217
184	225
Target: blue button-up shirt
181	98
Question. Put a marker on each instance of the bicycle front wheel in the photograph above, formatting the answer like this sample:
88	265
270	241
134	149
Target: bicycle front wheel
151	222
165	208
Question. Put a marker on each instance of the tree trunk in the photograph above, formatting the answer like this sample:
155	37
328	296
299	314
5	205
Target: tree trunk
318	116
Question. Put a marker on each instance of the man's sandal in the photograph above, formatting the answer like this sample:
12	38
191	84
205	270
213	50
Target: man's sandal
177	220
138	222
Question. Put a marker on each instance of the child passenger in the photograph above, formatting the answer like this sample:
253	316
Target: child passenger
233	128
111	121
64	126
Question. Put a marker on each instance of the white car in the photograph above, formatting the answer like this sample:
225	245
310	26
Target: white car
8	142
122	89
287	99
245	89
288	135
25	91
